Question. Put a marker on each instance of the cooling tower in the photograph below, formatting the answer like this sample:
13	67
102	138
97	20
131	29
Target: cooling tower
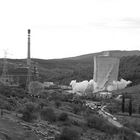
105	71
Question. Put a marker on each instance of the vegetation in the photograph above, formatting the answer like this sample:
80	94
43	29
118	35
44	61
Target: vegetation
29	112
94	121
48	114
131	122
69	133
70	115
57	103
63	110
76	108
99	123
130	107
123	103
63	116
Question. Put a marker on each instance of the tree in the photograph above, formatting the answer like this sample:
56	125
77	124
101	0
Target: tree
130	107
123	103
29	112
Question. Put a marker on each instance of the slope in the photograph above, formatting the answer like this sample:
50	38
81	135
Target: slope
64	70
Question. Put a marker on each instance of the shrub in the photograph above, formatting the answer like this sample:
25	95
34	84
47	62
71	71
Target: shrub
27	116
69	133
57	103
10	91
29	111
48	114
67	97
128	134
110	129
18	92
114	107
135	125
56	96
5	90
41	105
4	104
94	121
76	108
139	109
63	116
102	125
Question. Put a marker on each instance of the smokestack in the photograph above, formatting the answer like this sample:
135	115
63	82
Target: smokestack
28	53
28	62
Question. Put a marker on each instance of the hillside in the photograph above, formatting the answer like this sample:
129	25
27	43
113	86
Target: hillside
28	117
64	70
116	53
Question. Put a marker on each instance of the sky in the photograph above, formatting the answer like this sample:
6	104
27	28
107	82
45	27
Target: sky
66	28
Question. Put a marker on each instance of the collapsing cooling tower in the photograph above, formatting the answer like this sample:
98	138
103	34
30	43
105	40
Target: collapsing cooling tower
105	71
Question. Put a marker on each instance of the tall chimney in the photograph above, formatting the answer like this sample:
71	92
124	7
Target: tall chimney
28	53
28	63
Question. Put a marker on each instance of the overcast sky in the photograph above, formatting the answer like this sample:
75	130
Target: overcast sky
64	28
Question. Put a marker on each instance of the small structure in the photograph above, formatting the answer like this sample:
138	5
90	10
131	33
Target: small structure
105	95
48	84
